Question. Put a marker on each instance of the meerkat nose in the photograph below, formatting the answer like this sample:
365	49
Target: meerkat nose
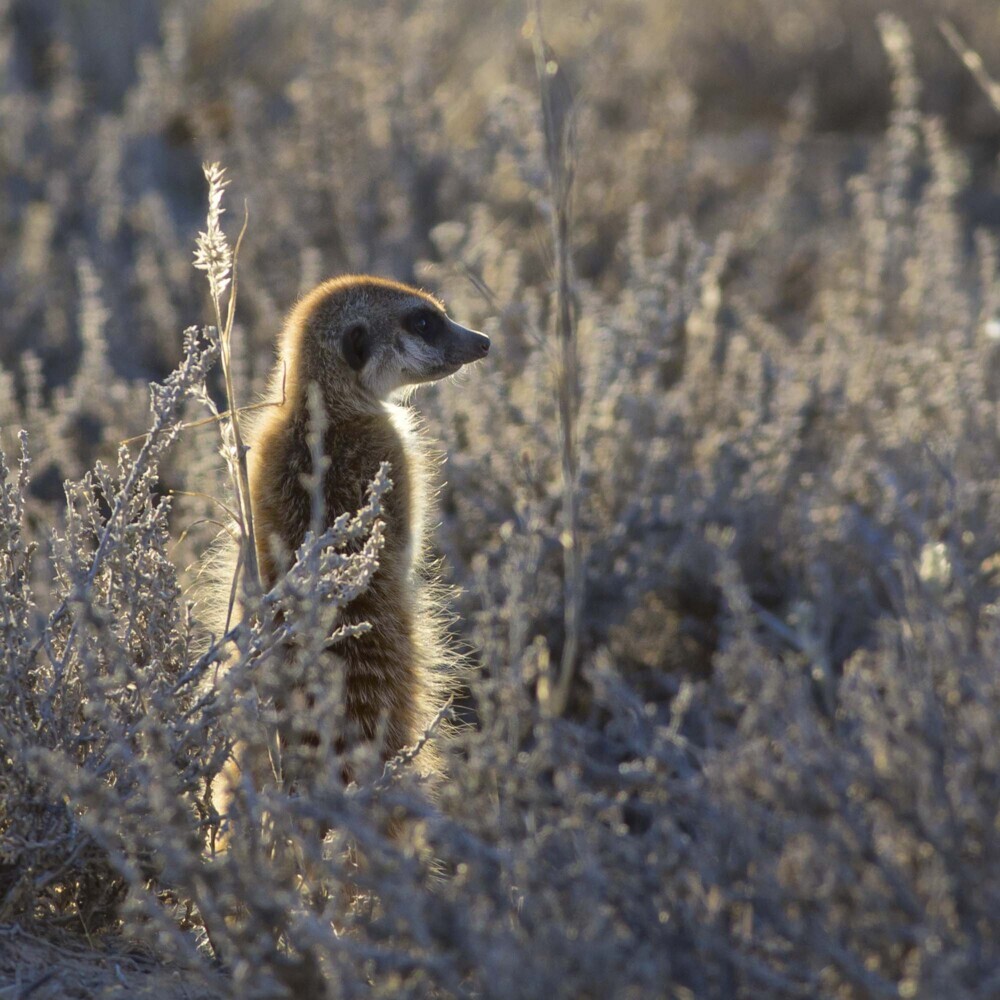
473	344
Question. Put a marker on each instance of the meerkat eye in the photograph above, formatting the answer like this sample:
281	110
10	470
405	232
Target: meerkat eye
421	323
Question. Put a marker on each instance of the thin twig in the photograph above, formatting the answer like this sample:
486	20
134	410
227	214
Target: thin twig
973	61
408	754
204	496
206	520
206	421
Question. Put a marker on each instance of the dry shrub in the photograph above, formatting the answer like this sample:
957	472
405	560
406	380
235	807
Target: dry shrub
776	774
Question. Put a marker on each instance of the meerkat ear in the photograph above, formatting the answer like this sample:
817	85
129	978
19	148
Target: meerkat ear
354	344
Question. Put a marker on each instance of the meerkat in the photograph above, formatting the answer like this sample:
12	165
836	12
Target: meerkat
363	341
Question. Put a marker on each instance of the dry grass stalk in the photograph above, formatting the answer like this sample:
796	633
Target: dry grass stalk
214	256
557	123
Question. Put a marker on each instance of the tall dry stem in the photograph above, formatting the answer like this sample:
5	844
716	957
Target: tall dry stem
557	109
219	262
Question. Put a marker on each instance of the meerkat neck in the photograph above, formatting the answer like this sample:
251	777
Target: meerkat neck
340	402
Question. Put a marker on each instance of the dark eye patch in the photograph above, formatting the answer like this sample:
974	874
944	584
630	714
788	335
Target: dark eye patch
424	323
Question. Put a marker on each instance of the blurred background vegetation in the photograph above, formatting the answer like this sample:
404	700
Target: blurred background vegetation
778	775
396	119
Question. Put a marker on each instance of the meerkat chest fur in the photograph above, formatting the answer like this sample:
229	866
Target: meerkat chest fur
355	446
416	469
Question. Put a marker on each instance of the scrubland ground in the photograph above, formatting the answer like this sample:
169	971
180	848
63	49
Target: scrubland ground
777	769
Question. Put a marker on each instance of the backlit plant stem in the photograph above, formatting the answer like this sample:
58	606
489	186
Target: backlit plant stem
556	125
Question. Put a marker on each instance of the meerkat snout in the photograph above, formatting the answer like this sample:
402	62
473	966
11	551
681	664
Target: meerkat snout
430	346
467	345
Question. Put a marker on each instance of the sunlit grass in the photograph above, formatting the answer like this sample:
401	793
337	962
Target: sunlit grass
719	512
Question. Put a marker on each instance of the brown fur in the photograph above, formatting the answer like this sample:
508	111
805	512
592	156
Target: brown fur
391	679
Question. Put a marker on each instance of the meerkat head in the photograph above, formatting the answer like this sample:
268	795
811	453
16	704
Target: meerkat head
377	336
